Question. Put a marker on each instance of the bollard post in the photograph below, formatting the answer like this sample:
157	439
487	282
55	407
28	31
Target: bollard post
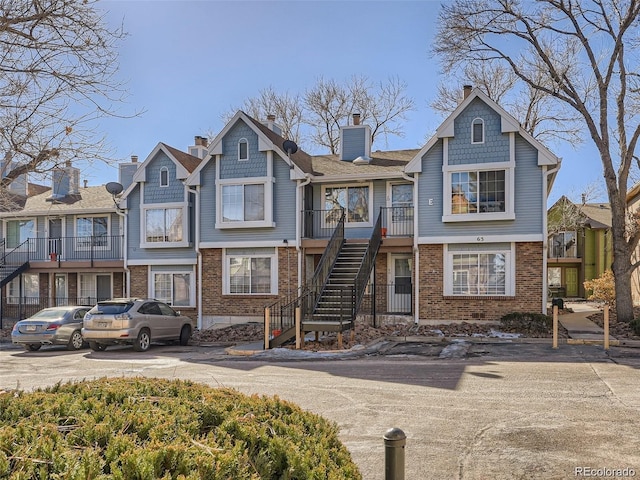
298	329
394	442
555	326
606	327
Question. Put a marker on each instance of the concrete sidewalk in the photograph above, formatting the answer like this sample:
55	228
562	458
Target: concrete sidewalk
579	328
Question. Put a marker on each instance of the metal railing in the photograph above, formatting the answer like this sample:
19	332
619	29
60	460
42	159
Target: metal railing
101	247
368	261
387	299
397	221
320	223
18	308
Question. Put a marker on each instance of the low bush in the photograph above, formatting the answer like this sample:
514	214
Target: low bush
527	323
159	429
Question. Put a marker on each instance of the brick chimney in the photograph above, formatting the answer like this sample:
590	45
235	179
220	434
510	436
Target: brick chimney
356	119
272	125
466	91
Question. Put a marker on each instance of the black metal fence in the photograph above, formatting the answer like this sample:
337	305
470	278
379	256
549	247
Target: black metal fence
102	247
397	221
388	299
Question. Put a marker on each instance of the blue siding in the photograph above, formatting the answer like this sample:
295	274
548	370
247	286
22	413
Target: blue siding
354	142
208	202
529	208
496	145
230	166
153	192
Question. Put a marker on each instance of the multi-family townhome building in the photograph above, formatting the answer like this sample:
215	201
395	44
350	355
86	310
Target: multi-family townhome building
61	244
580	246
249	227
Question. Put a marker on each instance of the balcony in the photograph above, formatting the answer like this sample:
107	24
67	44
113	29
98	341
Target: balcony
74	249
319	224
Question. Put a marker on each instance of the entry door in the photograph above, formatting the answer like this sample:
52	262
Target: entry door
571	281
55	237
103	287
400	215
61	294
399	296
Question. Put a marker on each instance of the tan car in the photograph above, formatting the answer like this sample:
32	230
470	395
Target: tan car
136	322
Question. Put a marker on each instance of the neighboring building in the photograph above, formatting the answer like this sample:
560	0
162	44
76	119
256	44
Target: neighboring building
62	245
579	246
633	206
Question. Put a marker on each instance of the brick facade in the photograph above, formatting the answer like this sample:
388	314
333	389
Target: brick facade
139	278
435	307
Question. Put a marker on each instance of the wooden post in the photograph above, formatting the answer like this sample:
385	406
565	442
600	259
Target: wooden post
555	326
606	327
353	334
298	332
339	340
267	322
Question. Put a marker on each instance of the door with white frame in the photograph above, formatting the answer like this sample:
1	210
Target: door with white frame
400	285
399	219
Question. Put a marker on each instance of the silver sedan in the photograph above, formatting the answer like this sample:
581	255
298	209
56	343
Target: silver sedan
51	326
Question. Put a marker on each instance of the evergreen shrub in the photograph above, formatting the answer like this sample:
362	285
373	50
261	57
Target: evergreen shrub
141	428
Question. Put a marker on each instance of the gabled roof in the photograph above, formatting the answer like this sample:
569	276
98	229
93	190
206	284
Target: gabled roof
94	199
388	164
509	124
597	215
185	165
267	140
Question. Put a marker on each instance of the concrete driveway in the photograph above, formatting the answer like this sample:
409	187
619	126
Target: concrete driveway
493	412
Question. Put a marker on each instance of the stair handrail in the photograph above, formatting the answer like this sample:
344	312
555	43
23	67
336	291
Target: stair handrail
21	252
368	260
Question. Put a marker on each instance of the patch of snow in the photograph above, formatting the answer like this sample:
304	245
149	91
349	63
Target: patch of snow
497	334
455	350
437	332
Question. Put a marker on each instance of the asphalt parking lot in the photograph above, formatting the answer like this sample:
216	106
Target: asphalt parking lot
480	411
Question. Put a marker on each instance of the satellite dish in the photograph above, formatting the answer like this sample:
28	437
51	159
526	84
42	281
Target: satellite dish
290	146
114	188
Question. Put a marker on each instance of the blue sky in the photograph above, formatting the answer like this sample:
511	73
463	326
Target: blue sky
188	62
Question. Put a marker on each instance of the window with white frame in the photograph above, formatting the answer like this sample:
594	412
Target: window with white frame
92	232
94	287
30	289
563	245
243	203
482	191
355	200
164	177
19	231
243	149
164	225
479	273
251	272
477	130
173	288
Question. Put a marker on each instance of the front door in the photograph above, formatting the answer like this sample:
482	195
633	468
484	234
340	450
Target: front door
103	287
400	214
399	296
55	238
571	281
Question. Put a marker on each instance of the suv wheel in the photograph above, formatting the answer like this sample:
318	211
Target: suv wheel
75	342
97	347
185	335
143	342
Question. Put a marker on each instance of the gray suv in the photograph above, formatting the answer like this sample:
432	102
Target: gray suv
136	322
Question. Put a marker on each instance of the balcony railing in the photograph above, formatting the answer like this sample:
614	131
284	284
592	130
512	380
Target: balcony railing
102	247
390	299
397	221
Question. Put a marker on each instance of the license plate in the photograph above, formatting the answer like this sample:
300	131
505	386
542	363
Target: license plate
31	328
103	324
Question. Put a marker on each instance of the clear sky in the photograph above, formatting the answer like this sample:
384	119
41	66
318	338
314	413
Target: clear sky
188	62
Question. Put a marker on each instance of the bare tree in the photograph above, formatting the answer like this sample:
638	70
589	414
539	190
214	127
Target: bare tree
58	67
544	119
581	55
316	116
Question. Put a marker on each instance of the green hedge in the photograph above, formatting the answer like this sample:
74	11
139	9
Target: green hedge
159	429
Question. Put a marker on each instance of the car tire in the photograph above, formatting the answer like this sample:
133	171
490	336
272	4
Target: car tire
32	347
75	341
97	347
143	341
185	335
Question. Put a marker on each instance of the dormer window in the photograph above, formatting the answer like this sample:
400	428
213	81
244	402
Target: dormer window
477	130
243	149
164	177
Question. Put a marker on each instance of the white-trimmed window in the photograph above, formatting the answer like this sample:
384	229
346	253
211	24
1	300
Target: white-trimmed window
19	231
481	193
563	245
479	273
164	177
243	149
164	225
355	200
251	271
92	231
245	204
477	130
174	288
94	287
30	288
